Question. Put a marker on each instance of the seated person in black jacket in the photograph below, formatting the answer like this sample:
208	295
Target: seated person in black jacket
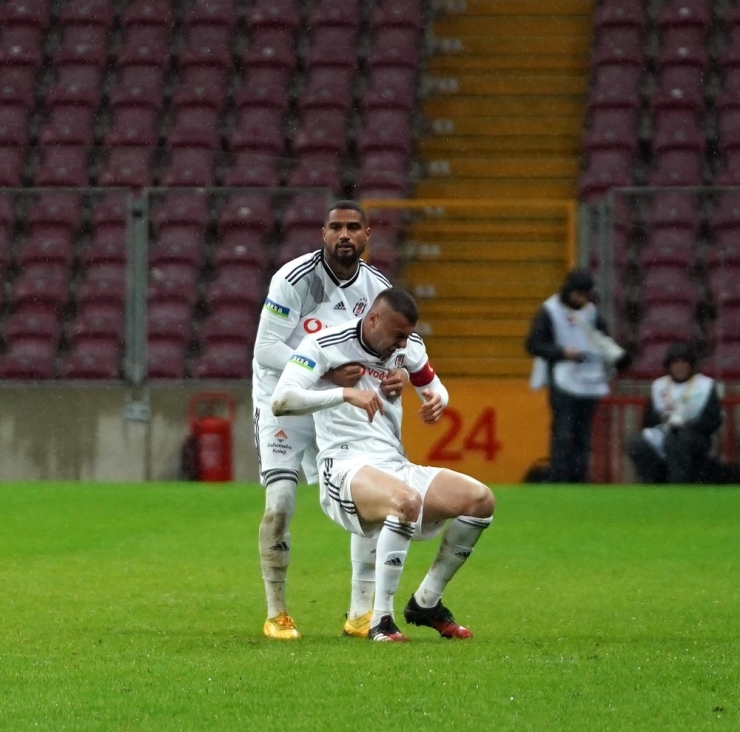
681	415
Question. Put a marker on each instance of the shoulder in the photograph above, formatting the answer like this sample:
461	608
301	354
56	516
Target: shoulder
337	334
298	269
373	274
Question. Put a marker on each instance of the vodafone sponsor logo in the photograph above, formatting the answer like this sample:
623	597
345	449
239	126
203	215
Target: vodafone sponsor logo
375	372
313	325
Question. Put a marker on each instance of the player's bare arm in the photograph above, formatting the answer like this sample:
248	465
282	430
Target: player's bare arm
364	399
432	407
347	375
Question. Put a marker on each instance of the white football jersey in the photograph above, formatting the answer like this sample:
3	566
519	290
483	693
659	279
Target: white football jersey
344	431
305	297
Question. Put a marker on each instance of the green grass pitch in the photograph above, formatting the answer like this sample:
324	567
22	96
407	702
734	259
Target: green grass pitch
140	607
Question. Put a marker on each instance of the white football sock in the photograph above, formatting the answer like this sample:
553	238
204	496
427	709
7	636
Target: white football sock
274	542
457	544
393	546
362	551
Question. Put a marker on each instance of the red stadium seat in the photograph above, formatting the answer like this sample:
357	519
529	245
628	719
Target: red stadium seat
148	13
253	169
91	363
11	165
395	48
196	127
57	209
17	87
13	127
76	86
165	360
667	322
33	326
83	45
390	88
181	209
170	329
270	48
317	170
107	246
25	14
264	87
239	328
218	13
398	14
69	125
240	289
44	293
258	129
62	166
678	129
88	13
223	361
281	15
26	363
328	88
139	86
385	129
332	47
200	87
127	166
189	167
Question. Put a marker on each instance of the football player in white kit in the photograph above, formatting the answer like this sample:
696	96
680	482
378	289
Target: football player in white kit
367	484
325	287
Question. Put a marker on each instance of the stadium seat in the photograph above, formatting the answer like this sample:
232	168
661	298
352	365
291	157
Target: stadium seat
619	47
270	48
11	165
77	87
229	327
335	14
661	284
605	169
615	87
264	87
189	167
170	329
179	245
92	327
390	88
17	88
25	14
21	47
145	46
83	45
218	13
207	47
39	293
332	47
395	48
729	174
127	167
148	13
181	209
305	210
246	212
223	361
612	129
668	247
680	87
619	14
90	365
46	245
33	326
258	129
328	88
678	129
177	285
253	169
383	130
196	127
724	284
62	166
683	47
677	168
649	361
235	289
132	127
139	86
317	170
101	294
55	209
724	362
13	127
69	125
280	15
200	87
667	321
88	13
397	14
28	363
673	210
165	360
383	170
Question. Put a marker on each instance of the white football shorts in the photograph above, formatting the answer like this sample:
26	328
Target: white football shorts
282	441
335	479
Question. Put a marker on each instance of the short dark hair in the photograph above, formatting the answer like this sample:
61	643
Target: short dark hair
402	302
344	205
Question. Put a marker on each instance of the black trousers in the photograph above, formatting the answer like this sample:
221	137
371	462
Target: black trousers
570	436
686	457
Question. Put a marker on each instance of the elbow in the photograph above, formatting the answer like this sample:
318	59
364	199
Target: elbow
279	403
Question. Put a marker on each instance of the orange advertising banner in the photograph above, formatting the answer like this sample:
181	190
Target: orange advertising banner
492	431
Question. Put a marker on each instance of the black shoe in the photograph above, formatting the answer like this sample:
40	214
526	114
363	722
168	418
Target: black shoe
437	617
386	630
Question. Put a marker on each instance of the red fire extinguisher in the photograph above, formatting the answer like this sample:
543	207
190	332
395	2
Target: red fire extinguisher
211	435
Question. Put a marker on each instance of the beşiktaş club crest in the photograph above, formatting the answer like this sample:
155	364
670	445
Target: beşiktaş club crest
399	361
360	307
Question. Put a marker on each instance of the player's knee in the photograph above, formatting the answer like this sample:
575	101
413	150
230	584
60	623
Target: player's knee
481	500
408	504
275	521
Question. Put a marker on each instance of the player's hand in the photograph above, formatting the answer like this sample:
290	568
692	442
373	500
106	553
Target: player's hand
432	408
394	382
364	399
347	375
572	354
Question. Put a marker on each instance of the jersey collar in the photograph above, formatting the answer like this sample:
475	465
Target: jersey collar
362	343
340	283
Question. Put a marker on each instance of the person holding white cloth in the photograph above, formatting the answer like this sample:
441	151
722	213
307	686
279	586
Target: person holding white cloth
575	358
682	414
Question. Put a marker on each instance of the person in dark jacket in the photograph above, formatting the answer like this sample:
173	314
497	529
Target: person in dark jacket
681	415
574	358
